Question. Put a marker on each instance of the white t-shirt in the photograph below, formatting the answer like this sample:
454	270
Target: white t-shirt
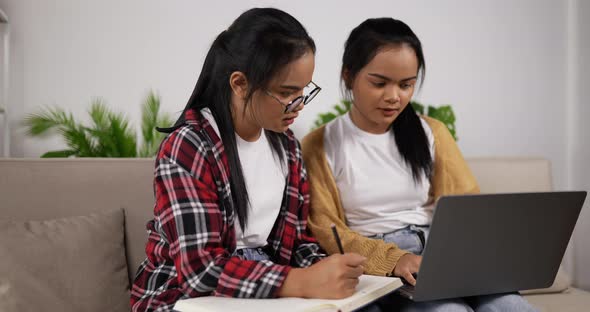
376	186
265	181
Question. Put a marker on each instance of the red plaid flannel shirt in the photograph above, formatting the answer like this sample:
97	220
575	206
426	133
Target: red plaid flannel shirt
192	237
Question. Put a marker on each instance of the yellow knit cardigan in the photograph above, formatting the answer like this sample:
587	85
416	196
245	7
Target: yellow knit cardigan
451	176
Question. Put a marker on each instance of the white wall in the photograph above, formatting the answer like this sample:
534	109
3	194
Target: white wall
4	69
580	138
501	64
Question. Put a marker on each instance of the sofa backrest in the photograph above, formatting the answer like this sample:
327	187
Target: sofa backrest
39	189
511	174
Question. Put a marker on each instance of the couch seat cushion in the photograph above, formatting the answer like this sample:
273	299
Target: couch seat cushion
571	300
68	264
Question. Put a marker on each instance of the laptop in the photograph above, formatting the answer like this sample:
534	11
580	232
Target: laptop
495	243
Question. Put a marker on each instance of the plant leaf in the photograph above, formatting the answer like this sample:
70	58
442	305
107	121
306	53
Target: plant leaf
443	113
123	138
347	104
101	130
151	118
339	110
42	123
77	140
446	115
419	108
109	134
59	154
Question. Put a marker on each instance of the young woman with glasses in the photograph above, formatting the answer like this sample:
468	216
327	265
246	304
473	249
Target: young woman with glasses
376	172
231	190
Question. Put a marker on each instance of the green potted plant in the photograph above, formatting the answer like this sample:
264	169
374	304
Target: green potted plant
443	113
108	135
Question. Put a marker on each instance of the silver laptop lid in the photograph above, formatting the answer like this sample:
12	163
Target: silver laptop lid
496	243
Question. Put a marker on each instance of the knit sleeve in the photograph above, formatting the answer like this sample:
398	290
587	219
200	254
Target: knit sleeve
452	175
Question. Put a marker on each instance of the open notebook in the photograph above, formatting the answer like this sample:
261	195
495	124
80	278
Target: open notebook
369	289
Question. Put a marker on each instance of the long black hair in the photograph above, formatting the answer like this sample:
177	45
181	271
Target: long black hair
259	43
362	45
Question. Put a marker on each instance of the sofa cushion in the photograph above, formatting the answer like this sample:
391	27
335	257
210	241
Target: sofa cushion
561	283
69	264
571	300
81	186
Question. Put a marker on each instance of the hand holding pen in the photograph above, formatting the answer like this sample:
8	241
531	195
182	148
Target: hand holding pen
337	238
334	277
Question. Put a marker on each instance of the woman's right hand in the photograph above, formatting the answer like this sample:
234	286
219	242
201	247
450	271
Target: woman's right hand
406	266
334	277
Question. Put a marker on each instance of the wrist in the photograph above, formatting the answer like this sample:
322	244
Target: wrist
293	286
393	273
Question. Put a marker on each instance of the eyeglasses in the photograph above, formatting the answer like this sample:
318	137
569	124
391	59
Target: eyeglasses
289	107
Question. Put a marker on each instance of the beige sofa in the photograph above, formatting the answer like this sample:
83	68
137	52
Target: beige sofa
86	263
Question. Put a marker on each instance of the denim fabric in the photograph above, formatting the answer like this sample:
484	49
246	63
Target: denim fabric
413	239
254	254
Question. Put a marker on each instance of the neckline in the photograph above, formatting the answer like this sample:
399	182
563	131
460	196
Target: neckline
367	136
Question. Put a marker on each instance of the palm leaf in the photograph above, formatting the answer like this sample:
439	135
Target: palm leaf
42	123
100	130
59	154
109	134
125	143
151	118
99	114
56	119
78	140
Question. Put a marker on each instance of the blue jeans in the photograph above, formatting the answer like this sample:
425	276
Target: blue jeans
413	239
254	254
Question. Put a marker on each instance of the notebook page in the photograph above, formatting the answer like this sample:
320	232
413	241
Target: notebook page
369	289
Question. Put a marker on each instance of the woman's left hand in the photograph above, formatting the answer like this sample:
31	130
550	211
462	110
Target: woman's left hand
406	266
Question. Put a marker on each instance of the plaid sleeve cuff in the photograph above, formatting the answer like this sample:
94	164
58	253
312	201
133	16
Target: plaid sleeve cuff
251	279
308	254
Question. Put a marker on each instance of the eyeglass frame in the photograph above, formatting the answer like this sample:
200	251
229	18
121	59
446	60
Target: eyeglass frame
305	99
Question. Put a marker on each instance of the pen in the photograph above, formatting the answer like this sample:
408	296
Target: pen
333	226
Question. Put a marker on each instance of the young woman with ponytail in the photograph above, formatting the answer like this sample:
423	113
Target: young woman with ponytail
231	190
377	171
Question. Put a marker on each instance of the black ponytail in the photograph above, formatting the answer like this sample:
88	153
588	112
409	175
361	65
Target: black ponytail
412	143
259	43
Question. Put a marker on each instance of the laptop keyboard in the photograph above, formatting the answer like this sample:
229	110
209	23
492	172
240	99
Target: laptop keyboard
407	291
